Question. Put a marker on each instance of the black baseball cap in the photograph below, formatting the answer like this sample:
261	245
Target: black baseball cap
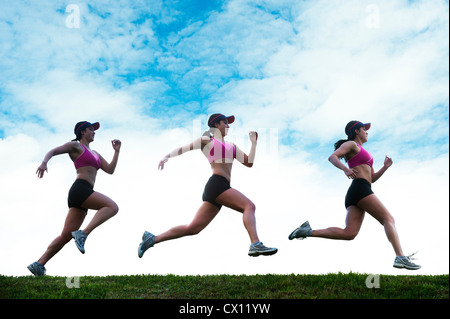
353	125
217	117
83	125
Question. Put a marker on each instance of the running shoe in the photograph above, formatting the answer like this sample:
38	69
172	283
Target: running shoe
80	238
37	269
405	262
148	240
301	232
257	249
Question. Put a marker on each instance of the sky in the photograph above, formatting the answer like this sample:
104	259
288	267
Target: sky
151	72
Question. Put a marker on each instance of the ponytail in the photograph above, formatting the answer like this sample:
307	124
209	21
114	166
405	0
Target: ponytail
338	144
76	139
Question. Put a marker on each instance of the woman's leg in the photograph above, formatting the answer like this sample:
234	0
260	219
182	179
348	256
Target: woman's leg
353	222
203	217
106	207
375	207
74	219
234	199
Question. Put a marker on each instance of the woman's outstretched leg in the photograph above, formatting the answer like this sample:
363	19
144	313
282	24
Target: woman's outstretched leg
203	217
353	222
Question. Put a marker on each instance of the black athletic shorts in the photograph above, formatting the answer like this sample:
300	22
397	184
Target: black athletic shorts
78	193
215	186
359	189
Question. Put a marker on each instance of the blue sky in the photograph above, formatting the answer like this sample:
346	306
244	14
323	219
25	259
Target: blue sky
297	71
184	57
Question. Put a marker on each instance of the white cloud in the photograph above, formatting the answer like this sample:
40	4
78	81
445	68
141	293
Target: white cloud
336	69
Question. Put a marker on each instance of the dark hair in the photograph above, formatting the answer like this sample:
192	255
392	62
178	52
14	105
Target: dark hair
350	136
78	134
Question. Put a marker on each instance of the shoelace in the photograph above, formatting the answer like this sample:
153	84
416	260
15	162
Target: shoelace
409	257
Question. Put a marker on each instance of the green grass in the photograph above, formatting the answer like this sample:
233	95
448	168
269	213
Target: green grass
328	286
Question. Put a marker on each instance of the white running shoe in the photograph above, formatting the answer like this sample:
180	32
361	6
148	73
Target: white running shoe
148	240
257	249
37	269
405	262
301	232
80	238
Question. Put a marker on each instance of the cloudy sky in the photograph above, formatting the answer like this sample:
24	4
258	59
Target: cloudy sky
151	72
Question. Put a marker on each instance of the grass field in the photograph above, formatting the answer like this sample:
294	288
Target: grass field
327	286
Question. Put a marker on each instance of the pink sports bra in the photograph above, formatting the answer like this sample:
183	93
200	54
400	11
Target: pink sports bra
222	151
87	158
363	157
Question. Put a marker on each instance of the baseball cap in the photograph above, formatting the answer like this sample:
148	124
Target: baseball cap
353	125
84	124
217	117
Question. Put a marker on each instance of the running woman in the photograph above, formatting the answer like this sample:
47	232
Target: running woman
220	155
81	195
360	197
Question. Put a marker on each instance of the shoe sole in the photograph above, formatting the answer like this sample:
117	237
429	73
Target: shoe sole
401	266
141	252
291	237
405	267
81	249
267	253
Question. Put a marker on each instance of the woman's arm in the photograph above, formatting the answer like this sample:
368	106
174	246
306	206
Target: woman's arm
248	160
195	145
387	163
343	150
111	167
66	148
